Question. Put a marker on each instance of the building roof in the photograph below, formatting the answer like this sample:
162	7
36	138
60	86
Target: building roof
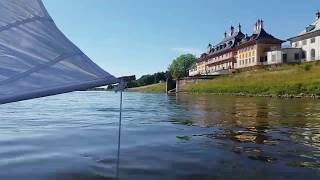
227	43
311	29
238	38
260	34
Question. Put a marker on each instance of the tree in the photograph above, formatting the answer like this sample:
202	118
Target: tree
160	76
181	65
148	79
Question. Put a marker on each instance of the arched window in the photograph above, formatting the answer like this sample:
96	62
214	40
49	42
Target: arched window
313	54
303	55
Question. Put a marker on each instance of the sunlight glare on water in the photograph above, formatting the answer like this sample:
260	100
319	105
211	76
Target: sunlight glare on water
74	136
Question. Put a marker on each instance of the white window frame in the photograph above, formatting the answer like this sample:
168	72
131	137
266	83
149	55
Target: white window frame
304	42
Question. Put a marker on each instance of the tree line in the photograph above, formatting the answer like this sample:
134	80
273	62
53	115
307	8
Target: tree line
179	68
149	79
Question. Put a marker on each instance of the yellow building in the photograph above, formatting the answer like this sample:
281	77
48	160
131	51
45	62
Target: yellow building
237	51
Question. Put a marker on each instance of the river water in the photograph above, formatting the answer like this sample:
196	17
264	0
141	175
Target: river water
74	136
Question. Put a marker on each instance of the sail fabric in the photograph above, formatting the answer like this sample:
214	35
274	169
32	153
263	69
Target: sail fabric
36	59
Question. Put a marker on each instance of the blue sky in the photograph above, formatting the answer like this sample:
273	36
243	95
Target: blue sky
139	37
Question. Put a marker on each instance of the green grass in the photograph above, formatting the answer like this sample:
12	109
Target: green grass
154	88
286	79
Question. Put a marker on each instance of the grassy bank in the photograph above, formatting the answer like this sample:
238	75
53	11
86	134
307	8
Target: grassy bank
286	79
154	88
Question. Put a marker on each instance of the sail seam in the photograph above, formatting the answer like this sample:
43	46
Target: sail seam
24	21
38	68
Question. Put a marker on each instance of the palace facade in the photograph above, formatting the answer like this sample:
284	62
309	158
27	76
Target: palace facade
236	51
309	41
239	51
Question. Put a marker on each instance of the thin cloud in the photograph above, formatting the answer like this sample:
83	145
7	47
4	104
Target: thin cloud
184	50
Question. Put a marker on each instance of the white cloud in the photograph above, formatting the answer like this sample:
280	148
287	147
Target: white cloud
186	50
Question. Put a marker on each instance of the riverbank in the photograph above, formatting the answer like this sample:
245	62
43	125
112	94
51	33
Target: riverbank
284	81
154	88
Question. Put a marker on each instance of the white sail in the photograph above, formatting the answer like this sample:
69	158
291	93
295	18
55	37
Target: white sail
36	59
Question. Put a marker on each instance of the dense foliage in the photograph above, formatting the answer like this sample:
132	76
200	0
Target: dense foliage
181	65
178	69
149	79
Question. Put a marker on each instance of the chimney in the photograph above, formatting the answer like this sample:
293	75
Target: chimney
318	15
209	47
239	27
255	27
232	30
258	26
261	24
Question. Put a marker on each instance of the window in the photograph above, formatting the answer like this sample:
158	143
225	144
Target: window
296	56
312	40
304	42
261	59
313	54
273	58
303	55
284	58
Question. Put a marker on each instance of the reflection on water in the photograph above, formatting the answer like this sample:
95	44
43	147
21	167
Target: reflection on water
74	136
262	129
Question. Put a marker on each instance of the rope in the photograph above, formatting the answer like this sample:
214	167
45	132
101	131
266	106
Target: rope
119	132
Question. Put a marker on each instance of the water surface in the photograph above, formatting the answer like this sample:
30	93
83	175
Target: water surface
74	136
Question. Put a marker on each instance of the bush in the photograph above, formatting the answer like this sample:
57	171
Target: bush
307	67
